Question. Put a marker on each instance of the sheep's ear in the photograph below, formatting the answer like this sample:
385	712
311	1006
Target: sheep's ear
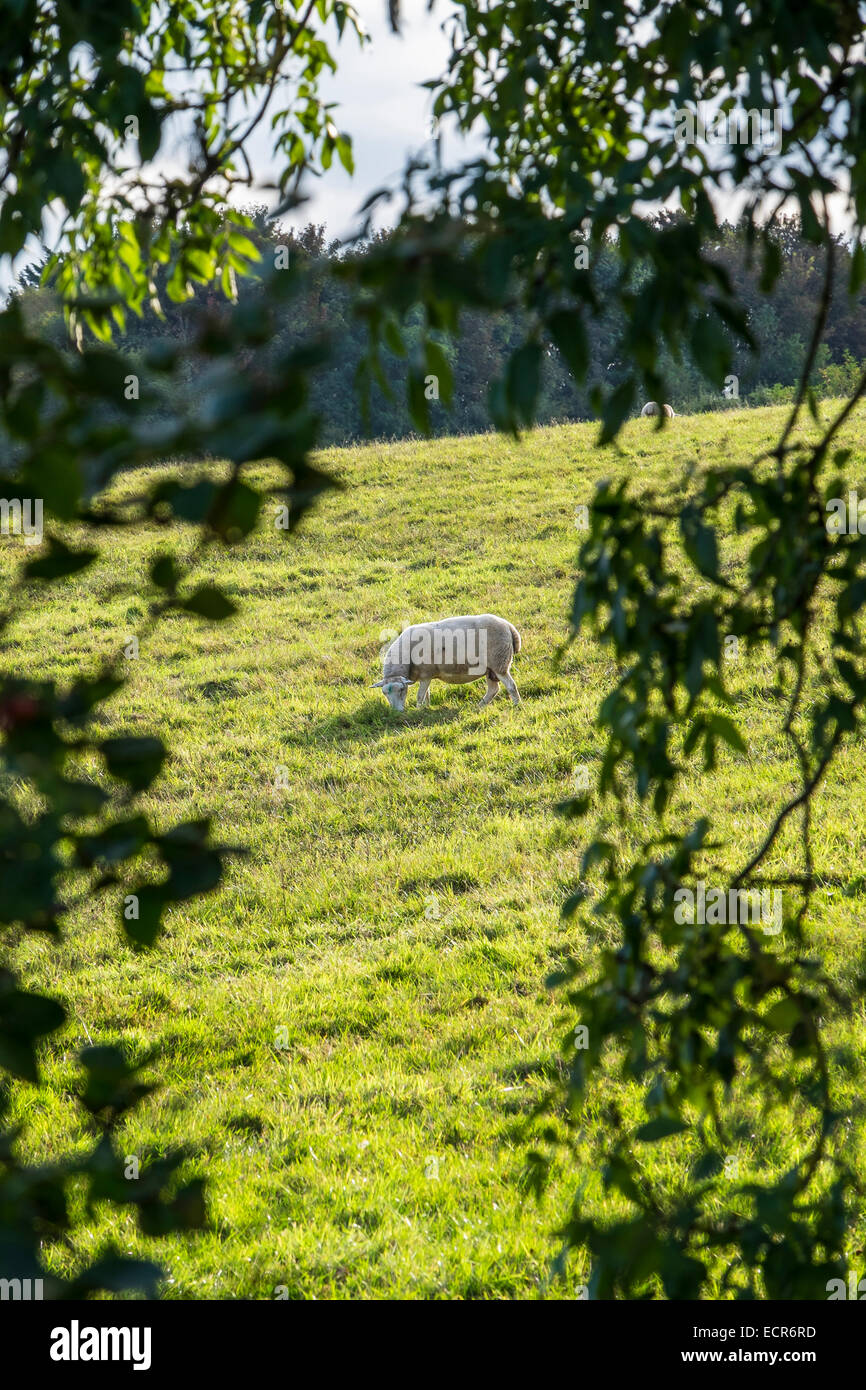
375	683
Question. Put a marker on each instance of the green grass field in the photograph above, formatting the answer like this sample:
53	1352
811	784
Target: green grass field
399	907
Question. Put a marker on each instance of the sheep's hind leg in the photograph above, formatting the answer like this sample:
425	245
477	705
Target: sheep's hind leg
491	692
508	682
423	692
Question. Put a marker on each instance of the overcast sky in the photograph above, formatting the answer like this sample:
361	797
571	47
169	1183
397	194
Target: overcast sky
380	103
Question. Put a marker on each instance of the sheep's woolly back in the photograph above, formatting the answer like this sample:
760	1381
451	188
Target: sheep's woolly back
460	648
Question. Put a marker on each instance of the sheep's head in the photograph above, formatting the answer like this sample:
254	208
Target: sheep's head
394	689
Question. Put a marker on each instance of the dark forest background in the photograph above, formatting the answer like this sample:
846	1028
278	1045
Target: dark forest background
324	301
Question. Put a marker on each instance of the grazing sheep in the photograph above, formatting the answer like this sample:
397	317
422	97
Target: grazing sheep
652	408
455	650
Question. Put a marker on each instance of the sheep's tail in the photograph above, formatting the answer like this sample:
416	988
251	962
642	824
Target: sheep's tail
515	639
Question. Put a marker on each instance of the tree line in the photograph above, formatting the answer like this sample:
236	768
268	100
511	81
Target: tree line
324	303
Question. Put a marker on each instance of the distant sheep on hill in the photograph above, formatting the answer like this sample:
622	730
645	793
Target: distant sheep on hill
652	408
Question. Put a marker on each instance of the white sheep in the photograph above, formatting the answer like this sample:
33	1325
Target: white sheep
652	408
454	650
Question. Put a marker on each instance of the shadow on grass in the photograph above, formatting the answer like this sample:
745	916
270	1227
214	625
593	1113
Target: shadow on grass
375	721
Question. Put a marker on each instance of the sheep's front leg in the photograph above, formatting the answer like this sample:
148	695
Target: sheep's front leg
423	692
508	682
491	692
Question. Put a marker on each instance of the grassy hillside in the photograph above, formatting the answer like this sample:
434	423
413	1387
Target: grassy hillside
398	910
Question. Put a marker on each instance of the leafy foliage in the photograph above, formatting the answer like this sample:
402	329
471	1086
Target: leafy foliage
581	124
581	118
72	826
